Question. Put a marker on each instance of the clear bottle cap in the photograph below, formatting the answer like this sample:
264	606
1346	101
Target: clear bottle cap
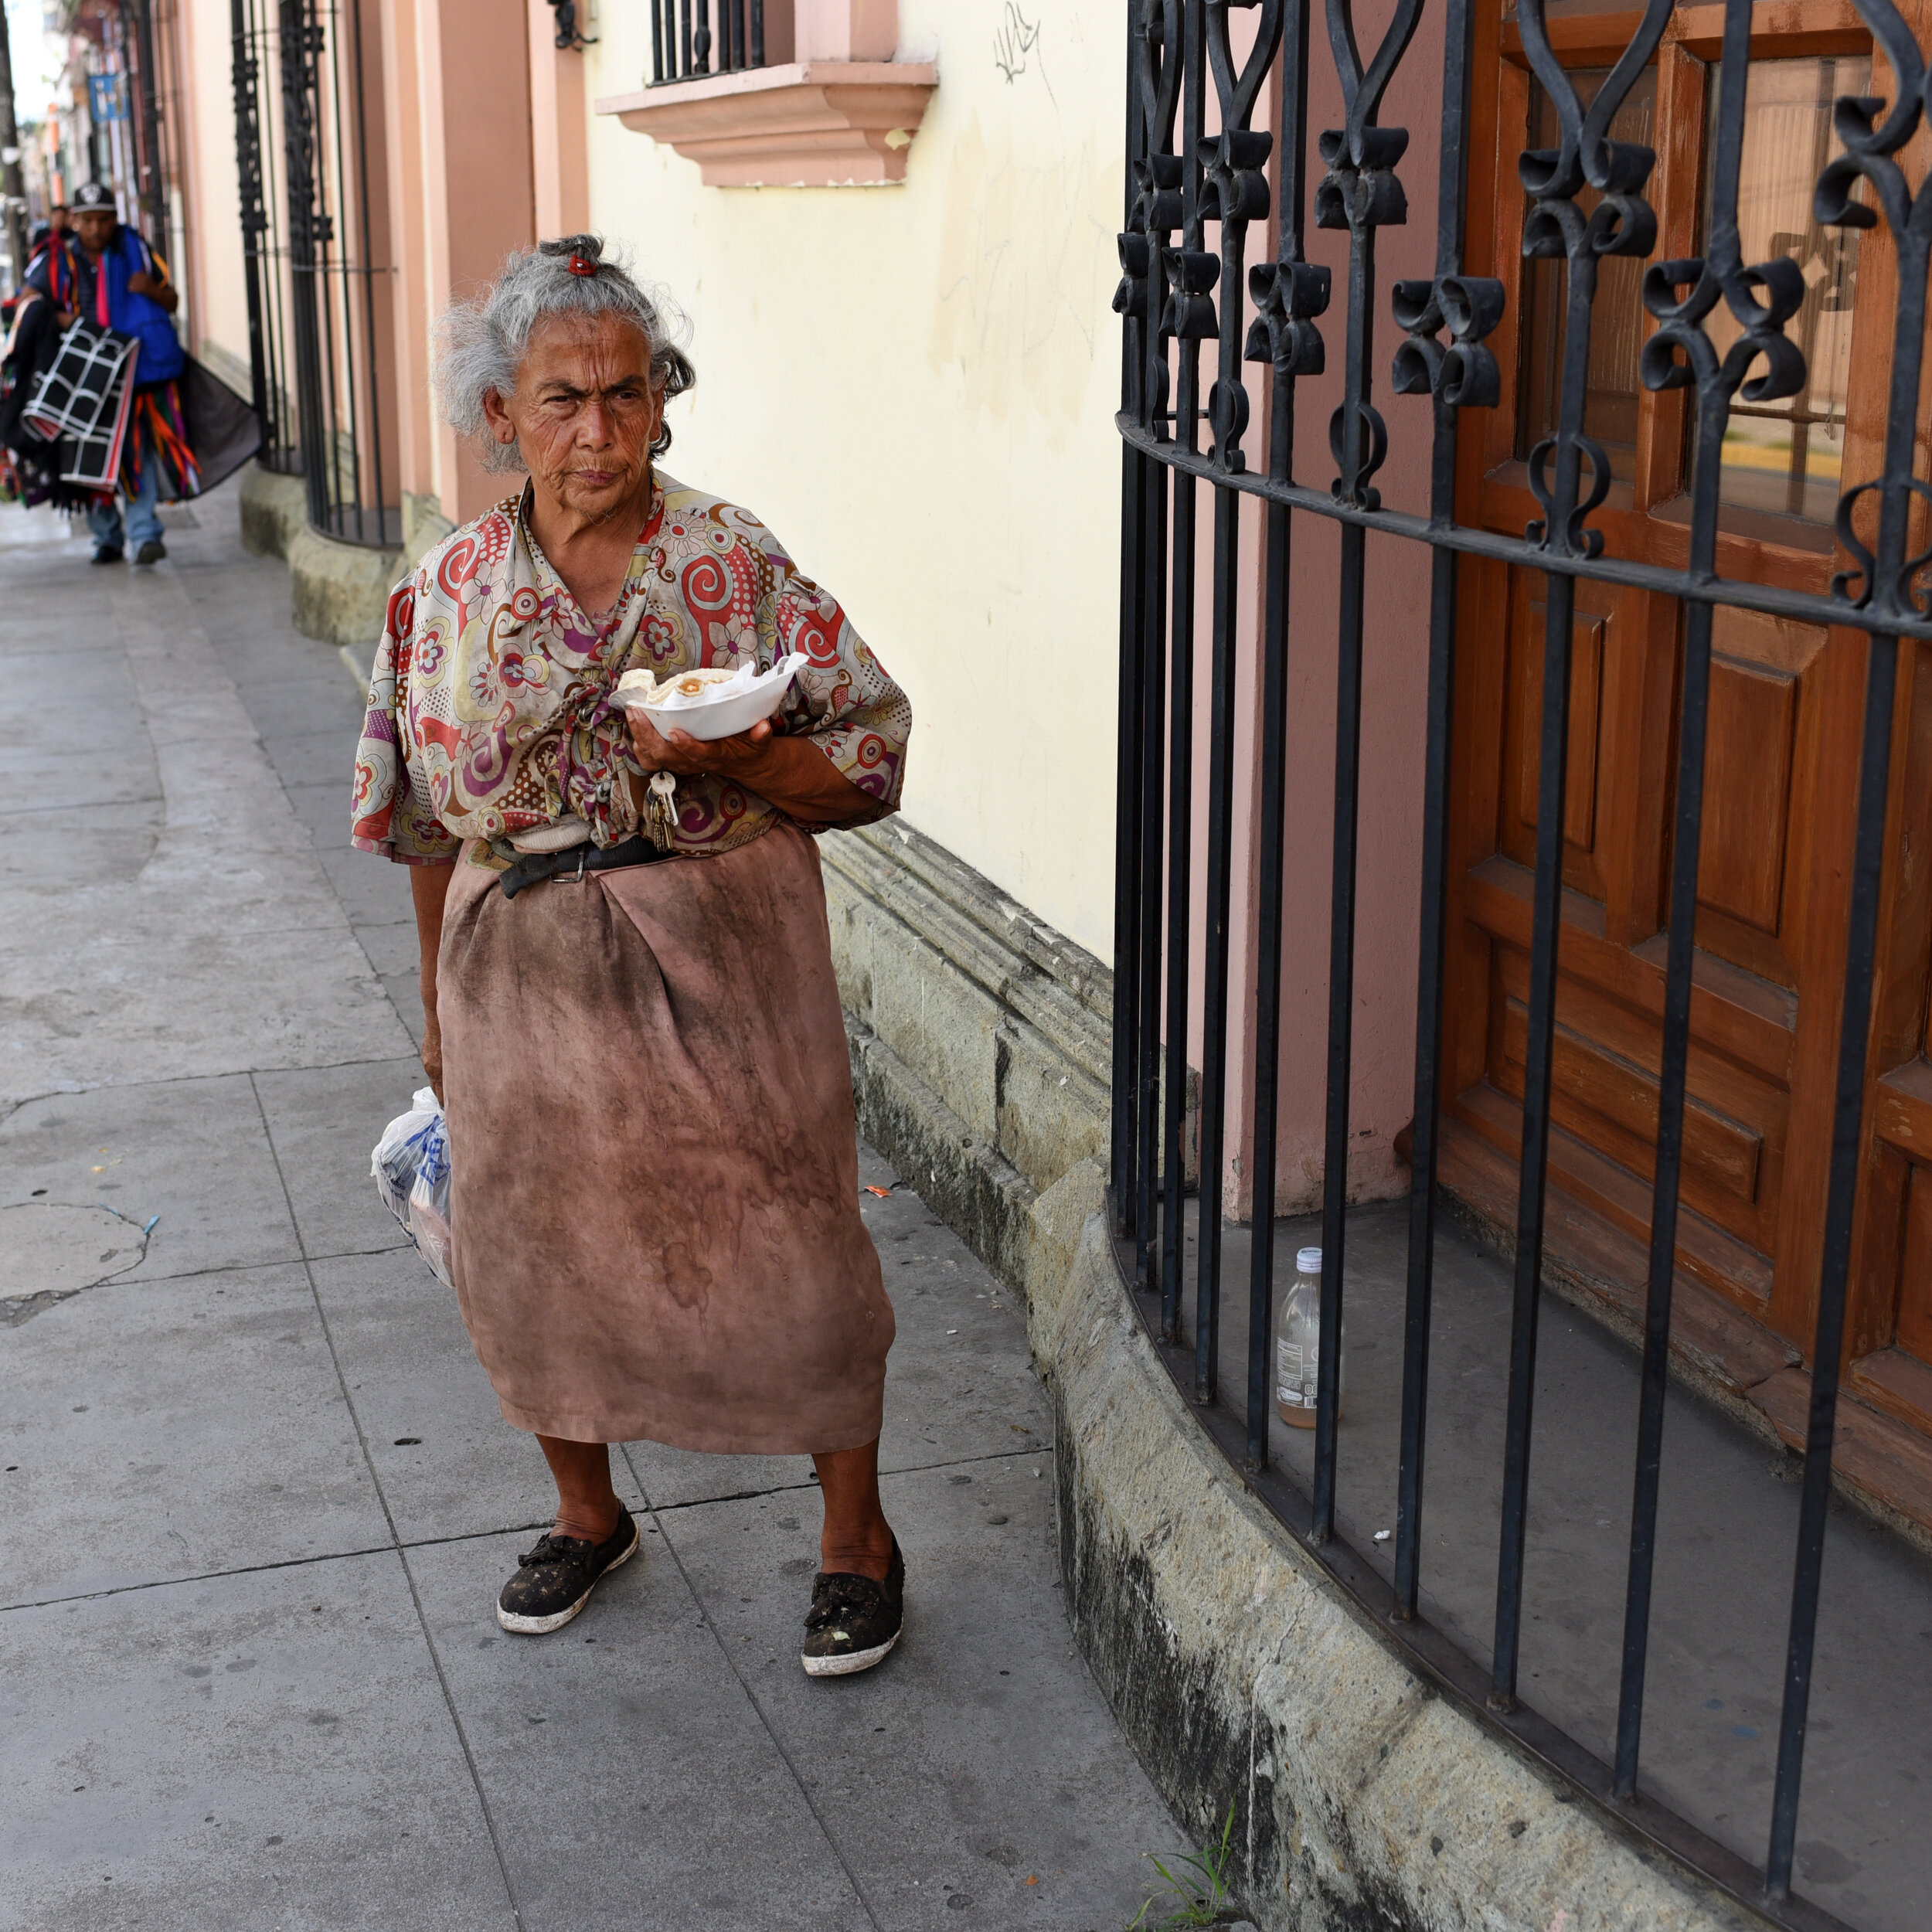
1308	1260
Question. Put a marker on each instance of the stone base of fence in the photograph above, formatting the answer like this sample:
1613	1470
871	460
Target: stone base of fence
339	591
1244	1677
979	1036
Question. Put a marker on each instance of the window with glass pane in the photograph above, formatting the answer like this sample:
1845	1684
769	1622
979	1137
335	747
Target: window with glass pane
1783	456
1617	327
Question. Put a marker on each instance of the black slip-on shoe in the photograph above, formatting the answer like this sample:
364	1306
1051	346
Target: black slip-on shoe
151	551
853	1621
554	1581
105	553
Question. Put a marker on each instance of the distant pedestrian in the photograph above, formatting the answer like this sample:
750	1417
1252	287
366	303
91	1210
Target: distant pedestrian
105	270
58	223
654	1163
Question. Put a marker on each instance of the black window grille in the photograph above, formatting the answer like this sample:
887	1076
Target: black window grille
683	46
1201	179
319	289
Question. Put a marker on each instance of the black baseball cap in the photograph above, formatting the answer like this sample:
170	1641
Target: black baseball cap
90	195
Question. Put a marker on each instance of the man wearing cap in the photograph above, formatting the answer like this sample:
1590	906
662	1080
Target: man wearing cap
107	272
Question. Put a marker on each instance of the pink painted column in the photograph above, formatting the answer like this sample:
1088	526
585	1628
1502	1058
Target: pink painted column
844	30
416	424
1395	660
464	191
559	148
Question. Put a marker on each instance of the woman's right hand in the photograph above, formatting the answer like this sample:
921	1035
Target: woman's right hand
432	1051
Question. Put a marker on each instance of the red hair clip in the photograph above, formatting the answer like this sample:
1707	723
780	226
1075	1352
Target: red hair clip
583	265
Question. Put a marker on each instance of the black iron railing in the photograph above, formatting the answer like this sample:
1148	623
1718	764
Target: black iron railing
683	46
319	352
1192	202
255	73
332	293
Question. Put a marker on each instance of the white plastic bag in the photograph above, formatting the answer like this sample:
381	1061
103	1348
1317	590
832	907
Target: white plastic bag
410	1165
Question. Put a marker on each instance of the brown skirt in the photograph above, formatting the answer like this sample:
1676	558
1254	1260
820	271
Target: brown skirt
654	1165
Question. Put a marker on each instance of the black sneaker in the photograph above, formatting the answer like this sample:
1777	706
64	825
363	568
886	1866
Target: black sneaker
853	1621
151	551
106	553
554	1581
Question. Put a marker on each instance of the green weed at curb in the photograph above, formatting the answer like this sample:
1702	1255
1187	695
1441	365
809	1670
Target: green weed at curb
1198	1895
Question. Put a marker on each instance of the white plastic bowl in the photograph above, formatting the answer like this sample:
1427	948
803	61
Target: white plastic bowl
725	715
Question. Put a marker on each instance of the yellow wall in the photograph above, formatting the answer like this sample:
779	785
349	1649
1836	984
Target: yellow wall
915	386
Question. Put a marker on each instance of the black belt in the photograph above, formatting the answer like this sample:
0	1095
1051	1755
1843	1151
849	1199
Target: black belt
570	865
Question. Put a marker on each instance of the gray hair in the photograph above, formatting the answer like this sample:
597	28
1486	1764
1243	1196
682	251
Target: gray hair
479	343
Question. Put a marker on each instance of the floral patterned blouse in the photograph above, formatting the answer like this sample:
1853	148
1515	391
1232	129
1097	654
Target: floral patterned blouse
489	710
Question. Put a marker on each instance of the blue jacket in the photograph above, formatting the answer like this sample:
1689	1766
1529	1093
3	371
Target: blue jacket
66	274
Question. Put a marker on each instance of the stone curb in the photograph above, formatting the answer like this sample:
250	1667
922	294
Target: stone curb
1243	1675
274	507
339	591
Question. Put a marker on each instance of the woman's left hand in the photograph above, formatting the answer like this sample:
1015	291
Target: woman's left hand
690	757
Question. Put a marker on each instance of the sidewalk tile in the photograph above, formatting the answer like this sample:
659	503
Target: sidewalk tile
318	1117
316	756
405	991
192	1151
47	849
167	1428
980	1753
372	891
38	766
631	1781
268	1750
411	1372
324	809
392	949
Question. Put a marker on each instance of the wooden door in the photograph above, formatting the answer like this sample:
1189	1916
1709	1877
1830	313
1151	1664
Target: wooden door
1785	705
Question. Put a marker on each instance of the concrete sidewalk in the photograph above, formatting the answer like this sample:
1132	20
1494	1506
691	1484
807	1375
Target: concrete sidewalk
258	1496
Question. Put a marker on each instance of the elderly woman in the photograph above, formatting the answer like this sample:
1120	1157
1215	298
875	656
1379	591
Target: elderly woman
628	1001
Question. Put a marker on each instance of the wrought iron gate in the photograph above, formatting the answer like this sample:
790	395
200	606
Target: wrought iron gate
318	352
263	254
1196	191
332	294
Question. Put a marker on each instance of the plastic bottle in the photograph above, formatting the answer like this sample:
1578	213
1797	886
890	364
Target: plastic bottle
1297	1345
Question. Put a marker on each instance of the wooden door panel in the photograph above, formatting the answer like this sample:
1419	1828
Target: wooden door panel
1734	1122
1733	1013
1759	762
1736	1270
1898	1380
1612	1103
1780	765
1915	1303
1747	782
1591	632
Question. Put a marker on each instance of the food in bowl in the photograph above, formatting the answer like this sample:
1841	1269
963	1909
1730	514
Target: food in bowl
711	702
686	685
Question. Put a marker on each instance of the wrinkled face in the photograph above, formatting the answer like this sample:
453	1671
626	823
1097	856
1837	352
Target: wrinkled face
584	414
95	227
